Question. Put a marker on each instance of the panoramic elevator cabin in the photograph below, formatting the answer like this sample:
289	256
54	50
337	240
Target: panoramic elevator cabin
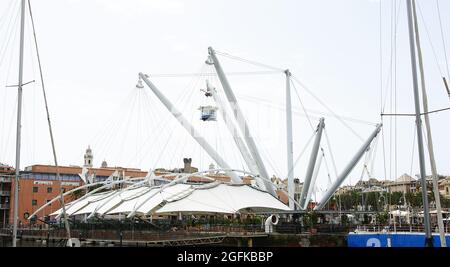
208	112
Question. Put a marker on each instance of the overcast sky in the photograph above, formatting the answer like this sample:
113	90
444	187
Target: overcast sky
92	52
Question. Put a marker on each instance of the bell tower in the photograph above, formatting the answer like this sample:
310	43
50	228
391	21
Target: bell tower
88	158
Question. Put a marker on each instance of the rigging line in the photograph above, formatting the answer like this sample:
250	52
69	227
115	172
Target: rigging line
304	149
192	88
331	153
211	74
381	55
109	143
328	170
436	61
328	108
6	11
366	160
8	29
389	78
66	223
160	125
443	37
147	131
189	97
237	151
10	126
395	93
377	139
410	114
297	111
12	34
163	126
413	151
11	26
249	61
392	90
109	134
110	122
102	138
303	107
166	118
126	128
269	159
384	153
33	104
138	124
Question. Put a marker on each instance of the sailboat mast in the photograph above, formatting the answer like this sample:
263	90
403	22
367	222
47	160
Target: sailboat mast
426	214
19	124
429	136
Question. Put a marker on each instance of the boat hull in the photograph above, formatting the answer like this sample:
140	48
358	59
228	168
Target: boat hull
391	239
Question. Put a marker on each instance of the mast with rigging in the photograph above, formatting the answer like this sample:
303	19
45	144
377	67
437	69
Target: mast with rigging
426	213
428	130
19	124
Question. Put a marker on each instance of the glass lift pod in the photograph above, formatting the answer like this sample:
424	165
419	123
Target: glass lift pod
208	112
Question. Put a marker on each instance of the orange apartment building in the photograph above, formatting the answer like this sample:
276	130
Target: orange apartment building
6	174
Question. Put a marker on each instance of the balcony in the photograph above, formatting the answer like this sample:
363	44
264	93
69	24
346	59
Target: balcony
5	193
4	206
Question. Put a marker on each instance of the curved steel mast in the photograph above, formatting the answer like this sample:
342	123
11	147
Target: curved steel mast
190	129
240	119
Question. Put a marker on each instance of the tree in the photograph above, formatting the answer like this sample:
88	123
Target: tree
382	217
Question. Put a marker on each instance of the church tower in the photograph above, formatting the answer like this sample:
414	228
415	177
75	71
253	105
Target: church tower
88	158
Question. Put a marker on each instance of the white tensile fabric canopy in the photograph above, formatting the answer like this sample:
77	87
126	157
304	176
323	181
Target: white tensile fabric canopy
224	198
177	198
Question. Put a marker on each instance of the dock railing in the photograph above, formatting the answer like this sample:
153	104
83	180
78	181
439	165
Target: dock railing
412	228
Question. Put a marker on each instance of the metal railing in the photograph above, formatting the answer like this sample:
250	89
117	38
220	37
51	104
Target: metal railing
5	193
412	228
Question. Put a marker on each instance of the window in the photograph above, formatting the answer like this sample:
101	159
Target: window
35	189
34	202
48	200
49	189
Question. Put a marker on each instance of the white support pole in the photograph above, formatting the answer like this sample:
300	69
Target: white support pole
19	125
347	169
312	162
313	181
241	120
289	144
235	133
191	130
